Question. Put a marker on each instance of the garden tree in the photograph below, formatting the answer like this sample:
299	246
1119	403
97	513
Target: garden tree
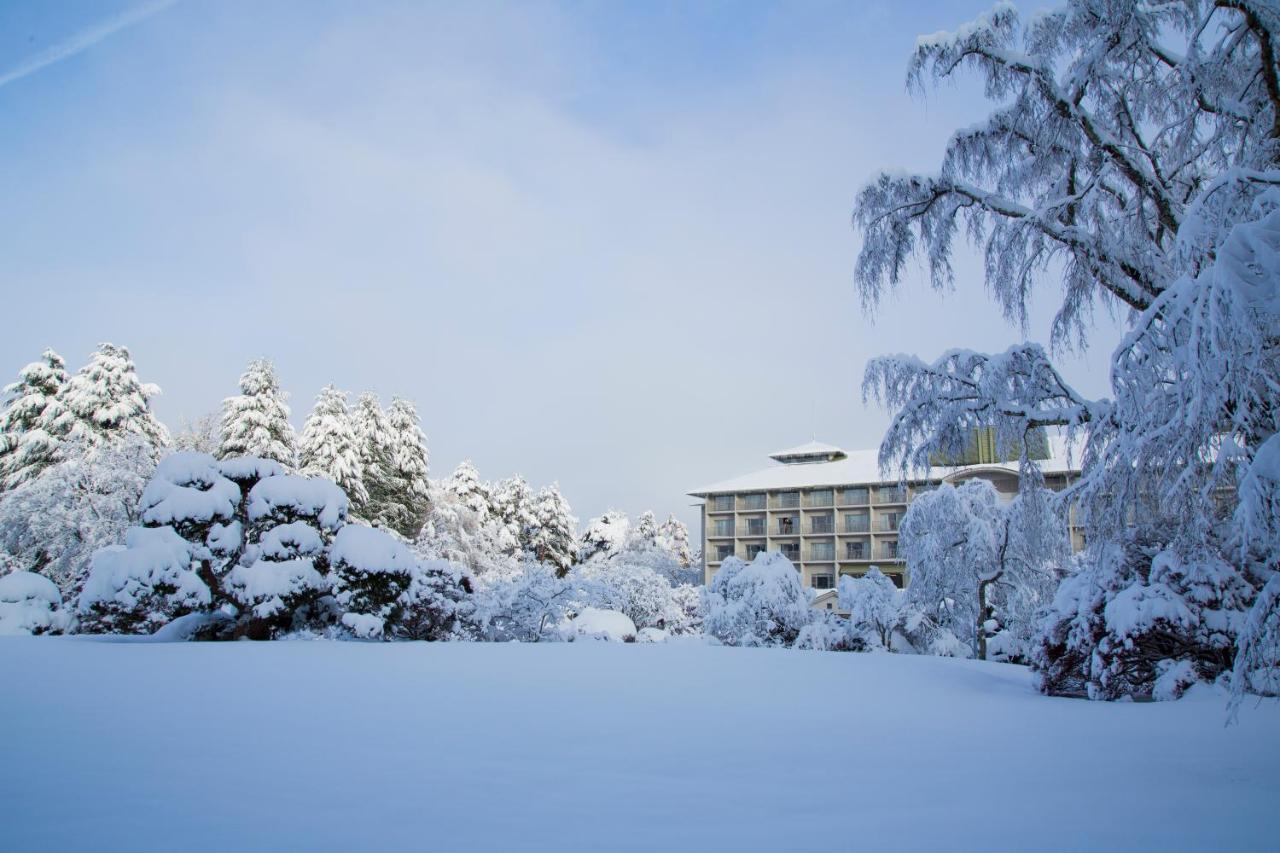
460	526
31	604
373	443
553	541
761	603
521	600
201	435
408	469
256	422
1133	155
645	532
105	401
329	448
641	593
673	536
52	524
513	506
28	440
604	537
875	606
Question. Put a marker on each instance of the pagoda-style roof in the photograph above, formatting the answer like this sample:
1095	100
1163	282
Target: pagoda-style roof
814	451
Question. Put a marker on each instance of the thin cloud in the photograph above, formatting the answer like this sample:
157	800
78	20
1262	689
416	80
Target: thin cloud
84	40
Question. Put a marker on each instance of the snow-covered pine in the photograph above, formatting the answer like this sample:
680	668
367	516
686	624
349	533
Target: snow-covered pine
673	536
645	532
28	442
408	469
256	421
105	401
605	536
874	605
31	604
513	506
373	442
329	448
461	528
1137	151
553	540
761	603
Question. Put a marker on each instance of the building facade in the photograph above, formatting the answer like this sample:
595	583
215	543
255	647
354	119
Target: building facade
832	513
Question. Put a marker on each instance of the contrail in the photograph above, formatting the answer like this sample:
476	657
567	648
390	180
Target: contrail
84	40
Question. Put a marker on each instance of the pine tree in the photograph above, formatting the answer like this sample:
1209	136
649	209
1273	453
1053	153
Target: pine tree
373	442
408	468
674	537
465	485
105	401
645	533
256	422
328	447
27	446
513	505
553	540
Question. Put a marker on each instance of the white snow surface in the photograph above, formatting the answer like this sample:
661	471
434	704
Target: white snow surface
599	624
370	550
313	497
338	746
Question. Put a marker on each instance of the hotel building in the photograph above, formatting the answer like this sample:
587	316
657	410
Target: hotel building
832	513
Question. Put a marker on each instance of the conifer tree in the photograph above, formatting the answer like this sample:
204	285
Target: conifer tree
465	485
553	540
27	446
408	468
373	442
674	537
513	505
645	533
105	401
256	421
328	447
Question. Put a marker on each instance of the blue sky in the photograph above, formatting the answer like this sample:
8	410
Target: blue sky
600	243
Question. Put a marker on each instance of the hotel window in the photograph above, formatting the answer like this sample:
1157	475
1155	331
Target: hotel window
889	550
724	552
753	501
724	527
889	521
822	551
791	551
786	500
821	497
892	495
753	550
755	526
787	525
722	503
822	581
821	524
856	522
855	550
853	497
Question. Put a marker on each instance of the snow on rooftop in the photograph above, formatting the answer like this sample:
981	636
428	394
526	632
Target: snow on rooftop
863	466
814	450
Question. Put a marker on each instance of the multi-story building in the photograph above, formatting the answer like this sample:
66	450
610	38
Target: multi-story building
832	513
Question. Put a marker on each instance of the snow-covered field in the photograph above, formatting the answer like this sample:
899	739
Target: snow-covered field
599	746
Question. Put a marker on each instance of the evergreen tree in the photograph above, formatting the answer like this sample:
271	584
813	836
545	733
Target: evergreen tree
408	461
673	536
373	442
645	534
465	485
329	448
553	539
256	422
27	446
513	505
105	401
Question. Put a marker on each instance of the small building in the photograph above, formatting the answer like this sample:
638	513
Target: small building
833	513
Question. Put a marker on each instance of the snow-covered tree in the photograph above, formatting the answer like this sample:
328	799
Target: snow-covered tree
256	421
523	601
53	524
1135	150
513	505
31	604
553	540
373	442
28	439
875	606
199	435
673	536
329	447
439	604
604	537
761	603
641	593
408	469
106	401
461	528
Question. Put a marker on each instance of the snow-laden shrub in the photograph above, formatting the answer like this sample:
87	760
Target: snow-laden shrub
875	606
189	493
594	623
1130	617
372	572
438	604
761	603
272	591
636	590
523	601
829	633
684	611
140	586
31	604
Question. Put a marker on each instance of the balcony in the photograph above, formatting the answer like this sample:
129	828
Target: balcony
821	525
722	530
855	551
888	523
749	502
854	497
888	550
720	503
820	554
819	498
753	527
791	552
890	495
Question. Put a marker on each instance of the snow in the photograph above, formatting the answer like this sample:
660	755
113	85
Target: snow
595	623
188	486
589	746
150	557
370	550
311	497
30	604
267	583
29	586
